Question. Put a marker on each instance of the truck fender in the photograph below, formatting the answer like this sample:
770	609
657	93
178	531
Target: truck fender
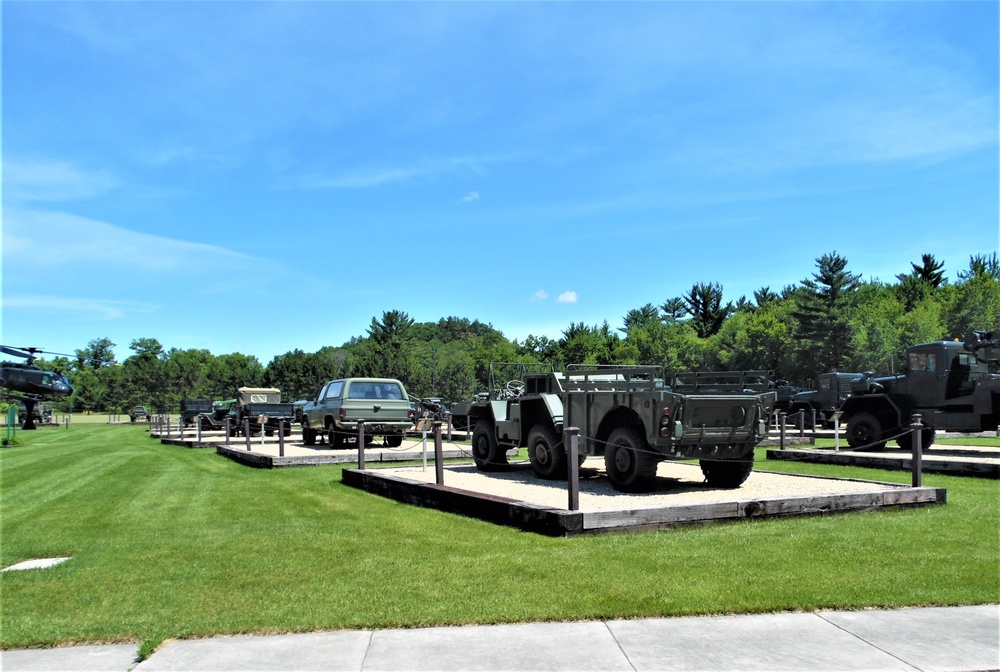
547	409
885	409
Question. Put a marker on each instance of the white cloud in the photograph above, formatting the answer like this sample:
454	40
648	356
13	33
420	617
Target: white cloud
47	181
473	195
110	309
540	295
567	297
28	238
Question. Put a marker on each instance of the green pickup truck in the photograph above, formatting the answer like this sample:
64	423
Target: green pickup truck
381	402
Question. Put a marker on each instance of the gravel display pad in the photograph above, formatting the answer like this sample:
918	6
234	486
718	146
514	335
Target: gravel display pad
520	499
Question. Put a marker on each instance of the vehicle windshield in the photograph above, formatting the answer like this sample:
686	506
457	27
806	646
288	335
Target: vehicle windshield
363	390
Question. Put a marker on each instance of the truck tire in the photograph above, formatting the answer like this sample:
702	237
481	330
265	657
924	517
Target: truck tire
336	438
864	431
546	452
394	440
630	464
727	473
926	438
308	435
485	450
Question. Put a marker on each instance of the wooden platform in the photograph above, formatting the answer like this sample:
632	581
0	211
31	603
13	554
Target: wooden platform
301	456
518	499
950	460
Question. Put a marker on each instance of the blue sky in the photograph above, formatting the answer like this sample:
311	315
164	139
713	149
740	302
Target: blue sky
259	177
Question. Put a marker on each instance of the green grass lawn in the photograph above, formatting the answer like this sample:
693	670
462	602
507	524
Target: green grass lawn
174	542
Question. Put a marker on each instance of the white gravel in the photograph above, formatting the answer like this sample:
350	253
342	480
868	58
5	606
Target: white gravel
678	485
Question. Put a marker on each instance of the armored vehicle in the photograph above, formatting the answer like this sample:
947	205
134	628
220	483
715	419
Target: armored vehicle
946	383
832	389
628	414
381	402
262	407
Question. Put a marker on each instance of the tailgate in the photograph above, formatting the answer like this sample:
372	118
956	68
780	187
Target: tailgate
376	411
720	418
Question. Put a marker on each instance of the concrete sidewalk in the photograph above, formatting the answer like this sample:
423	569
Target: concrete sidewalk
945	638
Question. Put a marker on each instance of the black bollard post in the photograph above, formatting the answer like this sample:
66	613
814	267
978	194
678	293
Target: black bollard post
438	454
361	443
802	423
574	468
227	430
281	438
918	451
246	432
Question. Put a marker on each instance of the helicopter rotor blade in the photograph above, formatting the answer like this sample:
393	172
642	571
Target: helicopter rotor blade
25	354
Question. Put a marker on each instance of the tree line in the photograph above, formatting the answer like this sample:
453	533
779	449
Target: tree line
832	320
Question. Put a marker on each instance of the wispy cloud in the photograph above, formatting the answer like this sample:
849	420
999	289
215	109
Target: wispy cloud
52	181
28	237
540	295
567	297
109	309
472	195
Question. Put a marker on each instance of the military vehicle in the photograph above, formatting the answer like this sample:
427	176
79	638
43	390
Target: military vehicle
192	408
381	402
262	407
832	390
947	383
138	413
215	419
628	414
29	383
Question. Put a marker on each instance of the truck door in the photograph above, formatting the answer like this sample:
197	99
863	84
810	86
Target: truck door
926	376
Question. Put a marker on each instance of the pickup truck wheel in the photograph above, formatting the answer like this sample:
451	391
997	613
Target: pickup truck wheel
926	438
630	464
308	435
727	473
485	449
865	431
546	452
394	440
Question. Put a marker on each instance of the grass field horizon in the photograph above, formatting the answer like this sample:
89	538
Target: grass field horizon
169	542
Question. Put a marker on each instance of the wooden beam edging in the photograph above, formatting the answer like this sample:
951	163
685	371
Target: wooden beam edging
902	463
560	522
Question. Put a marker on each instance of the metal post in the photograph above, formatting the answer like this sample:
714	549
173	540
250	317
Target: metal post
168	428
574	468
197	429
361	443
438	454
227	430
781	422
423	444
802	423
448	415
836	431
180	427
281	438
814	421
246	432
918	451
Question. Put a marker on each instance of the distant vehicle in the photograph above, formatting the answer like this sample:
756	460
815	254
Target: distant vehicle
192	408
833	390
381	402
138	413
947	383
263	409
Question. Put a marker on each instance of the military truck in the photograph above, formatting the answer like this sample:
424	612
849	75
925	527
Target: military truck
192	408
629	414
947	383
138	413
262	407
381	402
832	390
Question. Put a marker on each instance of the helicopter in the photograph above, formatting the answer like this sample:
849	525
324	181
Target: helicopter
30	383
